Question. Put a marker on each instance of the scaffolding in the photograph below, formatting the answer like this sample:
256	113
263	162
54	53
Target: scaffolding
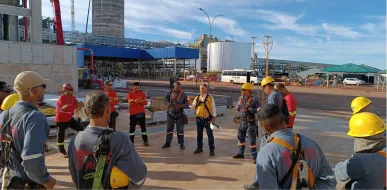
49	36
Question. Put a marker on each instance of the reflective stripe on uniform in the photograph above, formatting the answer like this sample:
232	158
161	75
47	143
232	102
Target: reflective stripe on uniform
180	133
241	144
252	146
170	133
144	133
292	113
62	143
131	134
30	157
64	107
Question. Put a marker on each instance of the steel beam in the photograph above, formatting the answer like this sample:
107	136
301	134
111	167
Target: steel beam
17	11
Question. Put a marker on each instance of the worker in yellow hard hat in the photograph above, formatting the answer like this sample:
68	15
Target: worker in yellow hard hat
363	104
366	169
125	169
274	97
247	106
9	101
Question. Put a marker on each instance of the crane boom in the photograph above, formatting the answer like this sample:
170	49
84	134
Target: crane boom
57	22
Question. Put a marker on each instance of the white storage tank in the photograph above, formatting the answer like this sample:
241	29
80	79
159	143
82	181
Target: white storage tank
228	55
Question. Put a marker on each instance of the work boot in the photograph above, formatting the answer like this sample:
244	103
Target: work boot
182	147
212	153
251	186
239	156
62	150
146	143
255	162
198	150
166	145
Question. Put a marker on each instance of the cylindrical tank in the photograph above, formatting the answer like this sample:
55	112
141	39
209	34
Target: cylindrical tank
108	17
228	55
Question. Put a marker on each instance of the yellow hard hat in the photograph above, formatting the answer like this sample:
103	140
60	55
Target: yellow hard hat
359	103
365	124
9	101
247	86
267	80
118	178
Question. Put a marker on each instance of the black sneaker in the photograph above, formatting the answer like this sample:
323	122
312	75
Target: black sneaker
239	156
166	145
212	153
198	150
146	143
182	147
251	186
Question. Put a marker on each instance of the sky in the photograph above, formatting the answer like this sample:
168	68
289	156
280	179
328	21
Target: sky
321	31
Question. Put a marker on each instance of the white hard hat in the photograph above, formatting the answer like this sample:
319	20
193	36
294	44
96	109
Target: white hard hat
214	126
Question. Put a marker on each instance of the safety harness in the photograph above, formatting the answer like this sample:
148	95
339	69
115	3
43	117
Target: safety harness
302	175
172	98
95	165
205	105
8	145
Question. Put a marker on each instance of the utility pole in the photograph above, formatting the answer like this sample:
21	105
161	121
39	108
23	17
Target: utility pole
266	45
253	60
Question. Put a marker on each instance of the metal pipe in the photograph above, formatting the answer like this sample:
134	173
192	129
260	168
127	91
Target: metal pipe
91	58
87	18
25	23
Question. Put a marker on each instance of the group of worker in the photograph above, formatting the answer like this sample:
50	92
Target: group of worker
285	160
288	160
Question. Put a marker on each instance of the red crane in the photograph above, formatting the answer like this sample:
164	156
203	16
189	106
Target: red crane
57	22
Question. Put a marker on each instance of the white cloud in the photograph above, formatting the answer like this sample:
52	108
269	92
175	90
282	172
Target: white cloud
229	26
340	31
282	21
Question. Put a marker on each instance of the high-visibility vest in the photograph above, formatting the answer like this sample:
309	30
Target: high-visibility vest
201	110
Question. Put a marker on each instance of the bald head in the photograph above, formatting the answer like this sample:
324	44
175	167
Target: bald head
281	88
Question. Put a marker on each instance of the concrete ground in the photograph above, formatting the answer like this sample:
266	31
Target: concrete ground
175	169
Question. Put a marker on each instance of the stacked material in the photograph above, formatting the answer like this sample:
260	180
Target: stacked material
220	100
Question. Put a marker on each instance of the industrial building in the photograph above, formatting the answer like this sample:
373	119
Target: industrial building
286	66
108	17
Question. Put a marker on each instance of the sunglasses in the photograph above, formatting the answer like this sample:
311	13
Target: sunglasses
42	85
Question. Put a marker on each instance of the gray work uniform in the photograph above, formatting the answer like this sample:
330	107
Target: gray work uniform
245	127
29	135
175	115
276	98
122	151
273	162
364	170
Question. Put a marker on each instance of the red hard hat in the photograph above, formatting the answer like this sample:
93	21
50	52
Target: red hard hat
67	86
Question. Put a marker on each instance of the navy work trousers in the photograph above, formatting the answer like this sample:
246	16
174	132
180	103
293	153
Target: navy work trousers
249	130
201	124
171	121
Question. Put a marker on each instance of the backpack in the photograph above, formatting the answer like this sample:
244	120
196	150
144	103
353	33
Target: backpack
299	168
285	111
7	141
94	166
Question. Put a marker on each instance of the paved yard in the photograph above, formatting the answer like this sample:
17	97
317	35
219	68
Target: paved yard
176	169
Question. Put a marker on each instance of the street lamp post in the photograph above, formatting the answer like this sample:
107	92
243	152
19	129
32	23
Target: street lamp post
209	49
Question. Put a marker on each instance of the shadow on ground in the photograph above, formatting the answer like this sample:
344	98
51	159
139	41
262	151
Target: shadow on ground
183	176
